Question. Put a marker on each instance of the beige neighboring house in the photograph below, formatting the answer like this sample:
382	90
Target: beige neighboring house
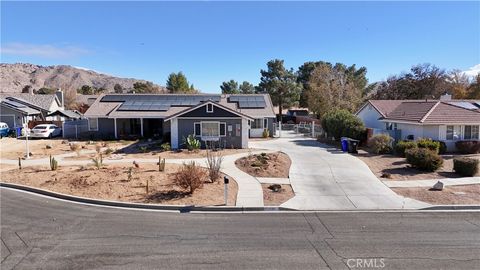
445	120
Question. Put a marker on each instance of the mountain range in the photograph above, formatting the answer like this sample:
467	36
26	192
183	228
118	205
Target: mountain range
14	77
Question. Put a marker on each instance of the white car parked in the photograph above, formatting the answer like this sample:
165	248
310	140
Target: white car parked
45	131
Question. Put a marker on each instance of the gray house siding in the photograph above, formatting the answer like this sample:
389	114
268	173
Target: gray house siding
271	128
11	117
231	140
202	112
106	129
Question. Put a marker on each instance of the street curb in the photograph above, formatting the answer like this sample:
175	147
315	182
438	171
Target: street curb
180	208
453	207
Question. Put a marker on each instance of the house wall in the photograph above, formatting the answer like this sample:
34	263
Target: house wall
11	117
202	112
258	132
186	127
369	117
106	129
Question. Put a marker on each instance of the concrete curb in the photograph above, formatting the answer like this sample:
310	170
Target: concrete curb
180	208
453	207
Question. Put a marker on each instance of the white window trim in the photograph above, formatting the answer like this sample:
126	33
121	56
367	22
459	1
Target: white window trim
211	110
471	133
201	128
263	123
90	127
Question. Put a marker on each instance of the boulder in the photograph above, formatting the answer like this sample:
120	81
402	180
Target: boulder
438	186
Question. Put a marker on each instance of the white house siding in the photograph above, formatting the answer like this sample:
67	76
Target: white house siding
409	129
369	116
431	132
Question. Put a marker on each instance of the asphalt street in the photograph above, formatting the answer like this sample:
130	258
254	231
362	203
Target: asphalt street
44	233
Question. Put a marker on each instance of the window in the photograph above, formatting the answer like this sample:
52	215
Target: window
391	126
223	129
93	124
257	123
471	133
450	130
197	128
265	123
453	133
210	129
209	108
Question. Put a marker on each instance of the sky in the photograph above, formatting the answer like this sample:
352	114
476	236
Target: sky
212	42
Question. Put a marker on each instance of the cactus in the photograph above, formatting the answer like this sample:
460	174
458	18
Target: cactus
53	163
98	161
130	174
161	164
19	163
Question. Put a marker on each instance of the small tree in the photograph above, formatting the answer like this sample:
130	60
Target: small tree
118	88
381	144
190	176
230	87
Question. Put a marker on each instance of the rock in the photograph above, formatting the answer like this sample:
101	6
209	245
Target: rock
48	146
438	186
386	175
64	142
275	187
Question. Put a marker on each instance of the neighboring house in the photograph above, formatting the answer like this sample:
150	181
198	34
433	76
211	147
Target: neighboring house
65	115
46	104
444	120
229	120
17	114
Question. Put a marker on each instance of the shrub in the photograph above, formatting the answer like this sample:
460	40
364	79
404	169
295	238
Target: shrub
443	148
265	133
189	176
98	148
429	144
165	146
143	149
191	143
98	161
465	166
424	159
381	144
109	151
341	123
402	146
214	164
468	147
76	148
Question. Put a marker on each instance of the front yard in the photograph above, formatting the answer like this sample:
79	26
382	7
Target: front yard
265	165
112	182
398	169
467	194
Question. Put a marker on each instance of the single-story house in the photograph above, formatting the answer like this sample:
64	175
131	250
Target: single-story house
229	120
17	114
445	120
46	104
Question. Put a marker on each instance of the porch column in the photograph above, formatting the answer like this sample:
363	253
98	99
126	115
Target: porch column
174	133
245	130
115	127
141	127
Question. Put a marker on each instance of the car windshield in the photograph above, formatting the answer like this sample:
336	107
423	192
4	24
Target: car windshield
40	127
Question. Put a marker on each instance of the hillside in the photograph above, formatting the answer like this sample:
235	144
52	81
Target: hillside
14	77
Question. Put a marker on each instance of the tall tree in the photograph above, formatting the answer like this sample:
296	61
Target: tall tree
281	84
246	88
473	91
356	76
145	87
178	83
423	81
335	87
117	88
230	87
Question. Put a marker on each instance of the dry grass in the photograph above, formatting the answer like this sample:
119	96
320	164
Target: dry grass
265	165
467	194
111	183
399	169
271	198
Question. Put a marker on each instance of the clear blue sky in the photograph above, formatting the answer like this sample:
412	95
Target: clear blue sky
213	42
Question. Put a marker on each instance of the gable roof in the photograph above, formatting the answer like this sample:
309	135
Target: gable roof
110	105
204	104
73	114
433	112
383	106
19	107
43	102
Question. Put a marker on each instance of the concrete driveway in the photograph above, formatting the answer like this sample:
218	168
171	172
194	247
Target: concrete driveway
324	178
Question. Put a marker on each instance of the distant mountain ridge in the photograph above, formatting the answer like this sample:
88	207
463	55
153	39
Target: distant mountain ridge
14	77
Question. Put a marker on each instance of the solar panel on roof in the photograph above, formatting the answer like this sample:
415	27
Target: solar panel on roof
464	104
15	104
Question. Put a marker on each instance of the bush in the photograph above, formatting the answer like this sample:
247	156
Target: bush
465	166
468	147
381	144
443	148
429	144
165	146
402	146
265	133
190	176
191	142
76	147
424	159
214	164
341	123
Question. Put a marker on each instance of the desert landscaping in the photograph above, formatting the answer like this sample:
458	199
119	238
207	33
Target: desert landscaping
122	182
265	164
